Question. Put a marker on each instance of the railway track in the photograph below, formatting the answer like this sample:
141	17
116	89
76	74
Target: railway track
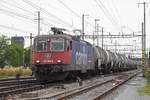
102	89
25	86
22	88
10	82
84	90
103	86
7	86
32	85
10	79
107	92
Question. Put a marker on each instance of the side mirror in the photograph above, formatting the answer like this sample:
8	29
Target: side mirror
70	45
68	48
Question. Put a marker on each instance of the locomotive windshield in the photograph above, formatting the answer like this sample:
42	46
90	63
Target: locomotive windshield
57	44
41	45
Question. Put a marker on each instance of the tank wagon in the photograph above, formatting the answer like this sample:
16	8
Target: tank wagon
58	56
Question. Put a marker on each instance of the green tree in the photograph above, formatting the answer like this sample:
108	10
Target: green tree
4	44
27	57
12	54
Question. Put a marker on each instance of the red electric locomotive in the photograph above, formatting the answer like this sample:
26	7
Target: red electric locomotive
50	55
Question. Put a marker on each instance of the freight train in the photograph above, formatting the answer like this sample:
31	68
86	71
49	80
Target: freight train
60	55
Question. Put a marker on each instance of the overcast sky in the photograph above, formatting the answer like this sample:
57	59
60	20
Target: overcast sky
18	17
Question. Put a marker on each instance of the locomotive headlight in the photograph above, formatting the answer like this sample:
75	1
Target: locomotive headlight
59	61
37	61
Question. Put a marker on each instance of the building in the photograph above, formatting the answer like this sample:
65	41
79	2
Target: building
18	40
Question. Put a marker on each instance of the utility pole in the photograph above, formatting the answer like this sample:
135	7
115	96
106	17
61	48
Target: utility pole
144	29
30	49
94	33
38	19
115	46
144	26
144	38
39	22
93	38
83	26
143	51
23	59
97	35
149	58
102	37
96	28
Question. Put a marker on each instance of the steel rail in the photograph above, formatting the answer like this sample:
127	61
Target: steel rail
27	88
87	89
69	91
17	86
9	79
114	88
16	82
83	91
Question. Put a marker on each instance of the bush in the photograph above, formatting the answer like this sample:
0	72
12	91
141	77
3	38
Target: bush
12	72
147	76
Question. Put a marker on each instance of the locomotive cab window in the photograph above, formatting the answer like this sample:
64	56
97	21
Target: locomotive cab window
57	44
41	45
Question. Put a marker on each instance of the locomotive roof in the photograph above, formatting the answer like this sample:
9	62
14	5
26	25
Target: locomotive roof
49	36
77	38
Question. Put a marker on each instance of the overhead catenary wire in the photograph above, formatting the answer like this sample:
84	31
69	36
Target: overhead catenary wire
17	5
12	13
67	7
48	13
16	14
115	12
15	29
72	11
107	14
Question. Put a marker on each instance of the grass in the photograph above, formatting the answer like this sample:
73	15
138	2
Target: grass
12	72
26	72
145	89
